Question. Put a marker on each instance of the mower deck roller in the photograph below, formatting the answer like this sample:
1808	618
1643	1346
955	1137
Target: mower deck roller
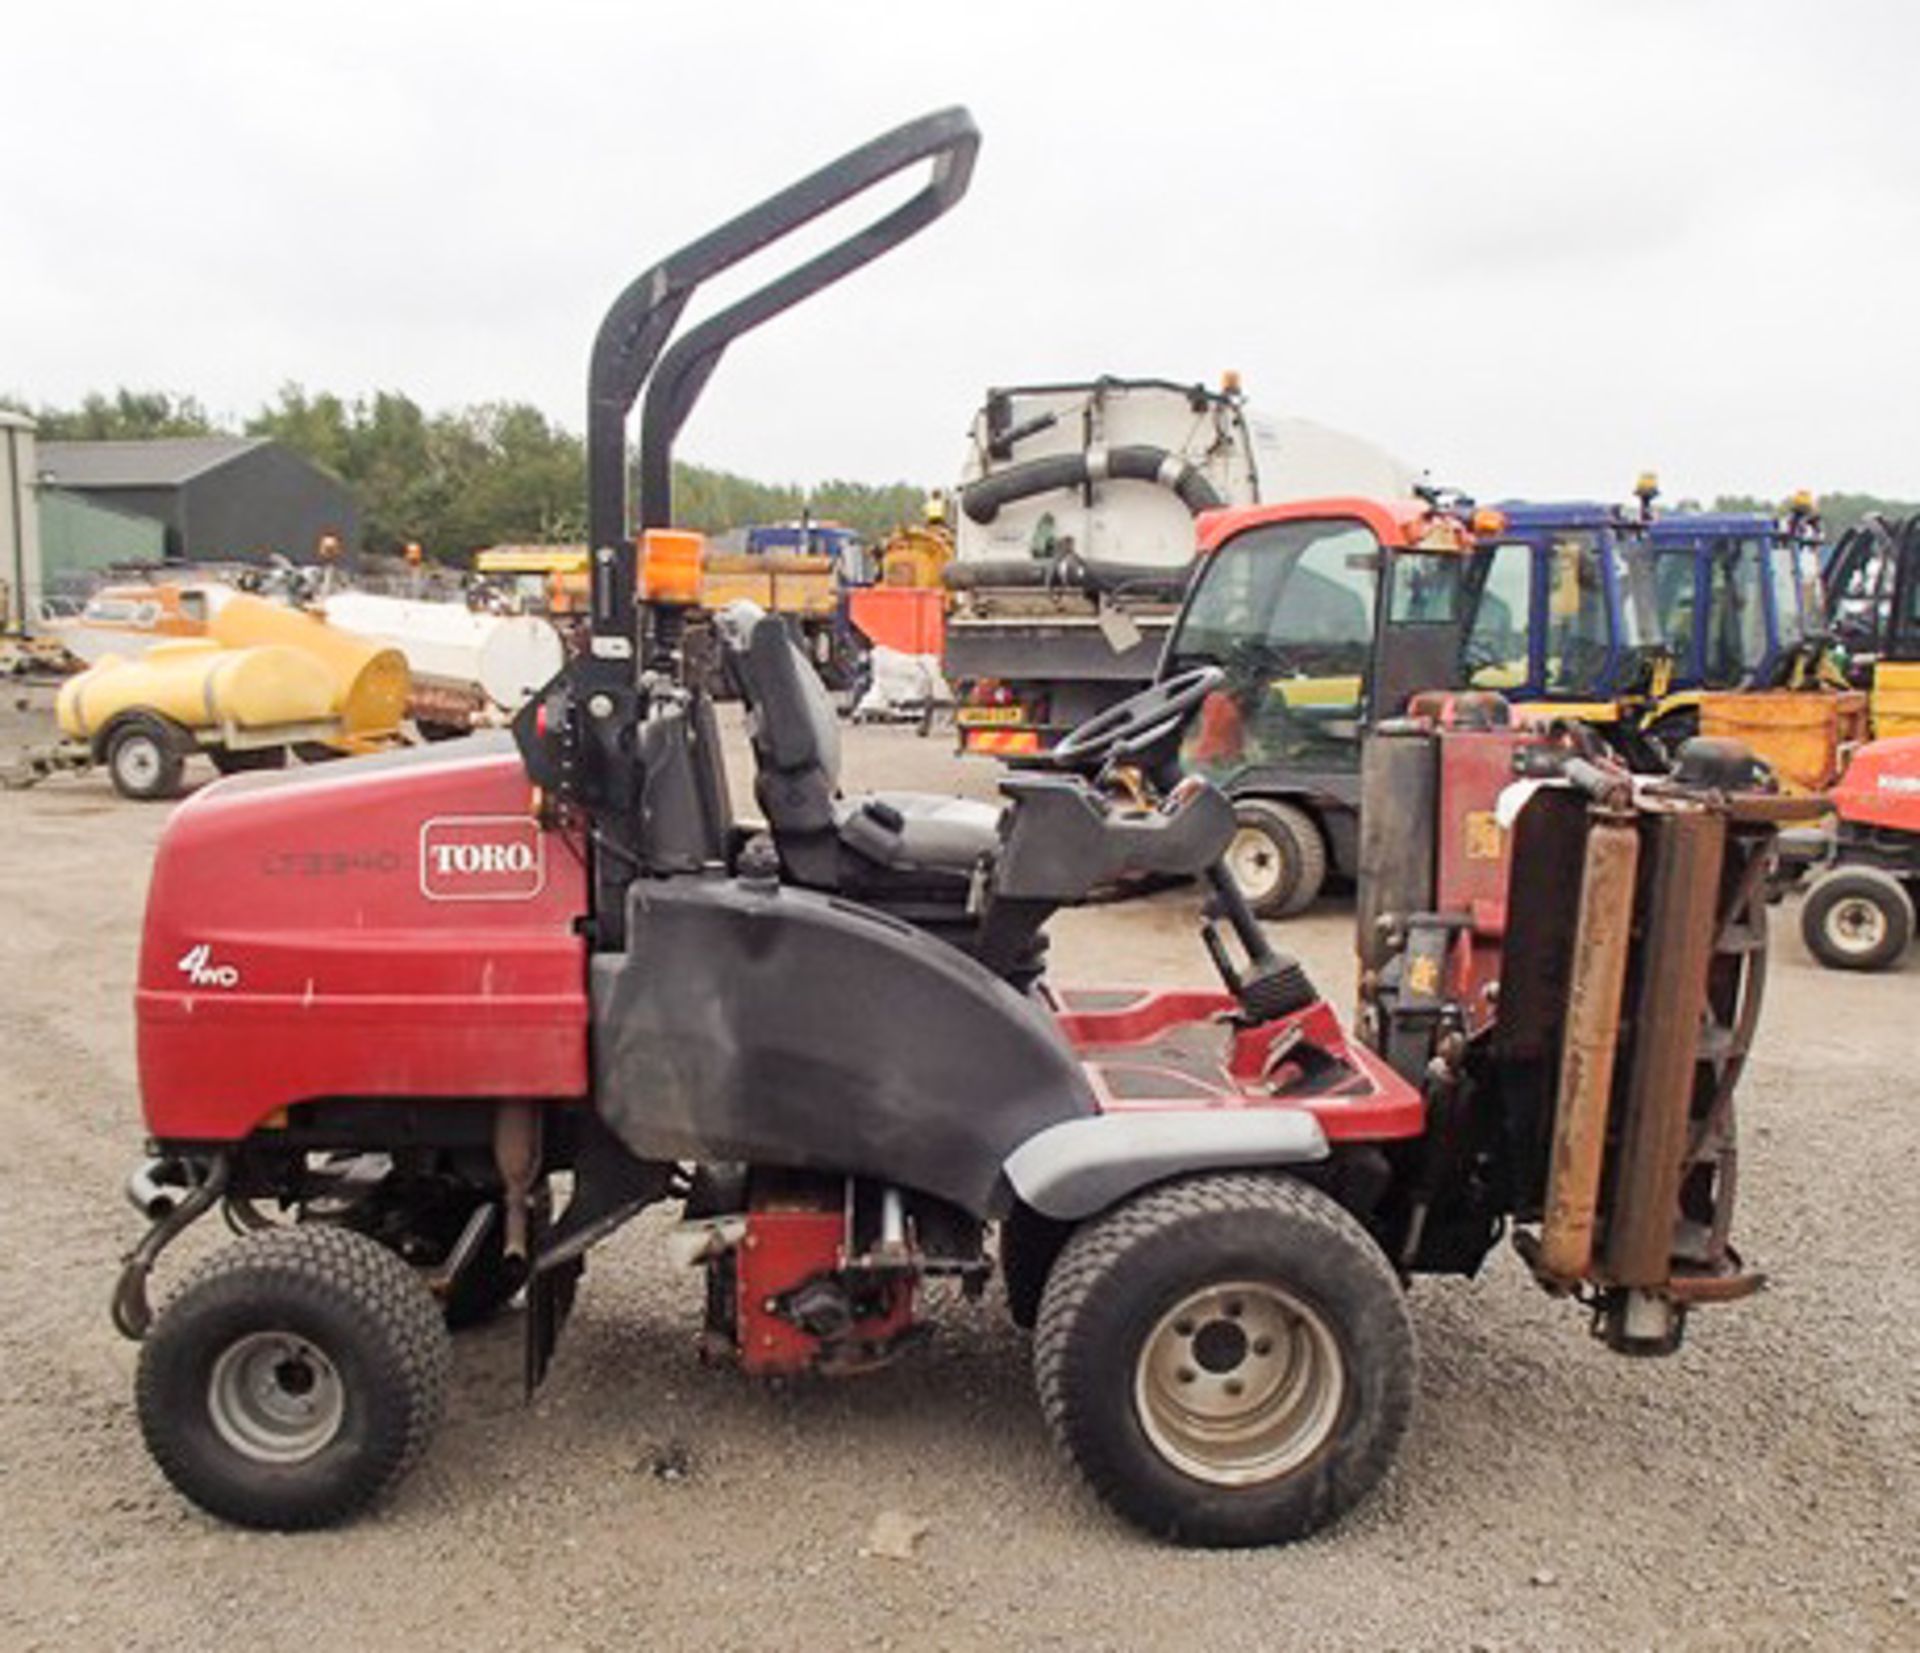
387	1015
1592	1047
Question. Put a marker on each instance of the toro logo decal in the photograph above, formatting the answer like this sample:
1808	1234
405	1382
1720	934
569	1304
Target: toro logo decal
482	858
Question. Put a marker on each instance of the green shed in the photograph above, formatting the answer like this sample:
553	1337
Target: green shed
80	537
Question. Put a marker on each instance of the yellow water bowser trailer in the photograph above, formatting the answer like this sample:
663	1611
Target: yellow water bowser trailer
264	680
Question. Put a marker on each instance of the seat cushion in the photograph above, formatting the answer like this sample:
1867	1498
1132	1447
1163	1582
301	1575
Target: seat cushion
919	831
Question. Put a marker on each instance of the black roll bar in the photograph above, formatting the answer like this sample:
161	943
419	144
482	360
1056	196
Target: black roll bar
631	347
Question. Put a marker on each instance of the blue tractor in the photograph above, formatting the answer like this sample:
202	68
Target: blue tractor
1566	618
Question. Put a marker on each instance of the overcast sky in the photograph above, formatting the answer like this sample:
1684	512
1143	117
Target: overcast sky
1531	246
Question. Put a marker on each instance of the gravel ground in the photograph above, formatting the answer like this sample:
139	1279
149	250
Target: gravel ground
1761	1490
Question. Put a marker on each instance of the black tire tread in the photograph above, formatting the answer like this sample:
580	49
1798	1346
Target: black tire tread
1098	1246
1832	888
328	1260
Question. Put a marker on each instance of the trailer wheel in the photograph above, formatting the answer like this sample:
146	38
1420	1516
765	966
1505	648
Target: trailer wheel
1228	1359
144	760
1277	857
294	1379
1857	918
231	760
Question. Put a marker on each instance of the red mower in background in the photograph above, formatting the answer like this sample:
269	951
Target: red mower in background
430	1026
1862	869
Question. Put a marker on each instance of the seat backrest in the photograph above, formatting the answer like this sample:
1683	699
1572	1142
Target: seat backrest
795	736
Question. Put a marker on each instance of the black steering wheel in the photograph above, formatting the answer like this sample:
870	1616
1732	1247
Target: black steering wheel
1139	724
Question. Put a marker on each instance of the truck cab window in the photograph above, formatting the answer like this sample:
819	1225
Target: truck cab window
1497	656
1287	610
1736	626
1579	632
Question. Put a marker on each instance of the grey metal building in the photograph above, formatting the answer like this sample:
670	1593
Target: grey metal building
220	498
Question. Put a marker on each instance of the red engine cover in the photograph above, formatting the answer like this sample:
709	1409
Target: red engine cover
392	927
1881	786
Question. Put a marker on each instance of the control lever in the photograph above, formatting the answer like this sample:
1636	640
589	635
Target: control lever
1270	985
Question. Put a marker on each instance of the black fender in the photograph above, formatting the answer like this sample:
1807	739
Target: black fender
756	1022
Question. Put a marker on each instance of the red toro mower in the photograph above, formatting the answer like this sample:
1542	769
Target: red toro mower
432	1025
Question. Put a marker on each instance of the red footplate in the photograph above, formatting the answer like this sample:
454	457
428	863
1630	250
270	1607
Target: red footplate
1182	1049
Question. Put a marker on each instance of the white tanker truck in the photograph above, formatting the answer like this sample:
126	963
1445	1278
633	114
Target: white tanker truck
1074	536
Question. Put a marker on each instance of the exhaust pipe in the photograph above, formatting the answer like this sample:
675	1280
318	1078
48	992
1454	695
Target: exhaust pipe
156	1188
132	1313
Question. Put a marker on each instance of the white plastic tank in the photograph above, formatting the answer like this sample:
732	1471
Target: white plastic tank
508	656
1246	457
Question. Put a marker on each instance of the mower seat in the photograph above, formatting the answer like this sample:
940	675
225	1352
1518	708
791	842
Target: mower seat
884	843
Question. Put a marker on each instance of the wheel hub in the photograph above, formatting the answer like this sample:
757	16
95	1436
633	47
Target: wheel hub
1239	1384
1856	925
139	762
276	1398
1254	862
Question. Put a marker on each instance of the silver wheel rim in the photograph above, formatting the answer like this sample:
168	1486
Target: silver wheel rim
1256	863
1856	925
1239	1384
139	762
275	1398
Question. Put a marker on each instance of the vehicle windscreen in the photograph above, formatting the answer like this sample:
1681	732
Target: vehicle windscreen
1287	611
1736	622
1674	600
1787	568
1579	637
1859	592
1498	652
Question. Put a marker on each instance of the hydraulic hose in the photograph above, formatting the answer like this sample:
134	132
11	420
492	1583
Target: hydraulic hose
1071	571
983	499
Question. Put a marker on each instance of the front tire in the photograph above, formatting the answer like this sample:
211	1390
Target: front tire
1857	918
1228	1359
294	1379
1276	856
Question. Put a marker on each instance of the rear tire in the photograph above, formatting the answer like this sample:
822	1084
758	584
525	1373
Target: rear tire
1277	857
145	760
1228	1359
294	1379
1857	918
244	760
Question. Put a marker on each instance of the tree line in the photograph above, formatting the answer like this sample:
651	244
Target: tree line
503	473
456	481
1838	512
